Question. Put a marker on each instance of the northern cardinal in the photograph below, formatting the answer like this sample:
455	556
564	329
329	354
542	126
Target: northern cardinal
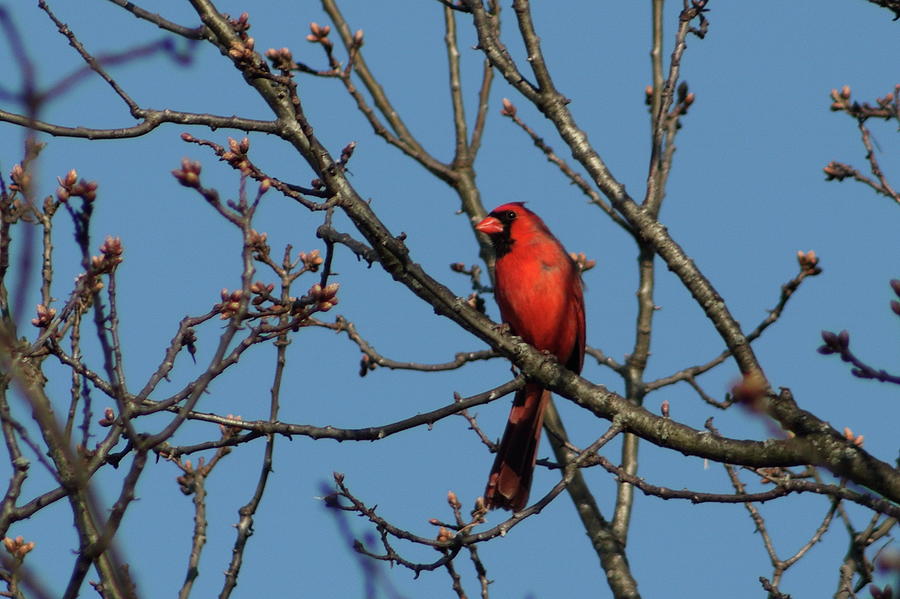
538	288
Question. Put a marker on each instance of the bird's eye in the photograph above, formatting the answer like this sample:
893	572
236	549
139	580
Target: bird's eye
510	215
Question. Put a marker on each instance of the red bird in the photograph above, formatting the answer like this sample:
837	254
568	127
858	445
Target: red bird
538	288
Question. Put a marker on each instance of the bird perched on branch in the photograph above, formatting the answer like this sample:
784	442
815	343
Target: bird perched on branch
538	288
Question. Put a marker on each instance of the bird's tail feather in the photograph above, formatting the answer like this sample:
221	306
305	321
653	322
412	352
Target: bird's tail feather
510	480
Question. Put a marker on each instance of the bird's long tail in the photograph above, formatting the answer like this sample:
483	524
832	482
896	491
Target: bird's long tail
510	479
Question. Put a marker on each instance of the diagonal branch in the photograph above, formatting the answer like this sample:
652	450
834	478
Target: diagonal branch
92	62
510	111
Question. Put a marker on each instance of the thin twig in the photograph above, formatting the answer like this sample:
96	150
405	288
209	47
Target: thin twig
342	325
575	178
787	291
150	120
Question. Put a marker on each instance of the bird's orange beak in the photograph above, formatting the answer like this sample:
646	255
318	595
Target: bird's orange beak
490	226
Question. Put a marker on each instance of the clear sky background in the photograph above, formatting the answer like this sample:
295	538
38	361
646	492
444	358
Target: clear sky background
747	191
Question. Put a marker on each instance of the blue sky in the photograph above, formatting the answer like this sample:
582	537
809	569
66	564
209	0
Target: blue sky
747	191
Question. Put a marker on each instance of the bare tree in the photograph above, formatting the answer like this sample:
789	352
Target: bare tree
61	370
